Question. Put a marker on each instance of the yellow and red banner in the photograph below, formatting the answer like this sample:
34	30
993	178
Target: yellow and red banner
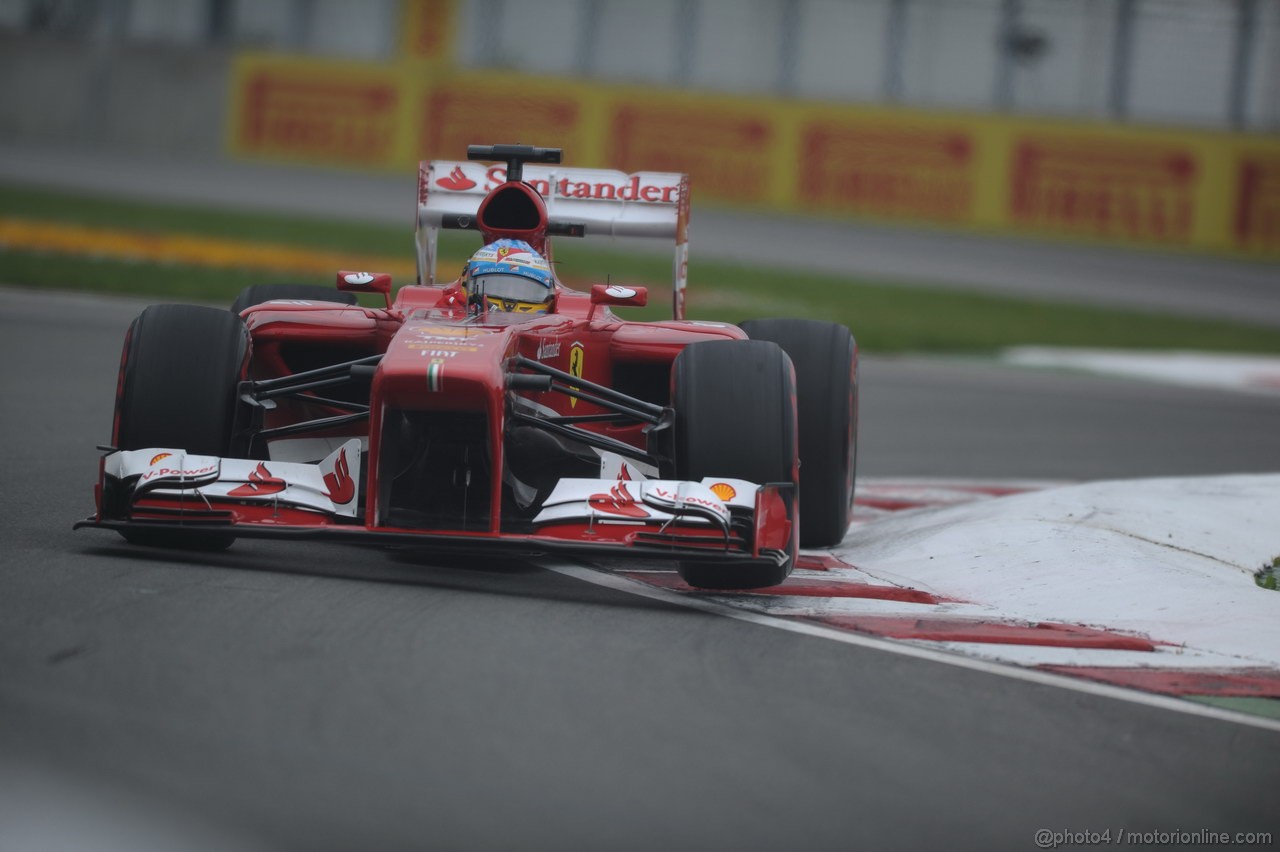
477	109
347	113
1255	200
1180	189
886	166
727	146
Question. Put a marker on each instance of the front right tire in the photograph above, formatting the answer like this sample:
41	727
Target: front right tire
735	416
177	388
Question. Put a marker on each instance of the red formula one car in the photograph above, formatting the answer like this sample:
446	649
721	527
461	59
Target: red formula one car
465	416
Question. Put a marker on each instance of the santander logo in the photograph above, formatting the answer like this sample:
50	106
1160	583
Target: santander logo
617	502
583	184
260	484
456	180
587	185
340	484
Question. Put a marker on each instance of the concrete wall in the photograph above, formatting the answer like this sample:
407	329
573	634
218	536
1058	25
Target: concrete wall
159	84
946	53
162	98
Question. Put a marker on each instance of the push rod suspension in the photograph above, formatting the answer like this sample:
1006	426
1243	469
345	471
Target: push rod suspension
591	439
342	371
649	410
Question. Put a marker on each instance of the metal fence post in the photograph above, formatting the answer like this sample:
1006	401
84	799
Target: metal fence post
789	46
109	29
584	61
688	15
486	45
1242	62
895	43
301	14
217	20
1121	59
1007	30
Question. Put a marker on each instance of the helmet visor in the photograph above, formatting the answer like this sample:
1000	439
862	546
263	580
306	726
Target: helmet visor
509	288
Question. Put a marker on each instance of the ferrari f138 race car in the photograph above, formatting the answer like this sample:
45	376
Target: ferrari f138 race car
502	411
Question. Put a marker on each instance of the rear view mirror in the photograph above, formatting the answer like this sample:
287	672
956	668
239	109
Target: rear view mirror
366	282
616	294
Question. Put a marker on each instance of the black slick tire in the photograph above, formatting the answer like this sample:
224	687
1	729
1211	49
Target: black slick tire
177	388
734	417
825	356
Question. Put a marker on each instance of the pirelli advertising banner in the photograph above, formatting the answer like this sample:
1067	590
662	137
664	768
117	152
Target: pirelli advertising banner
890	165
1149	187
350	114
454	112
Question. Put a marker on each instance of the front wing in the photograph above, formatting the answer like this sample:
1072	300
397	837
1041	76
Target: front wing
714	520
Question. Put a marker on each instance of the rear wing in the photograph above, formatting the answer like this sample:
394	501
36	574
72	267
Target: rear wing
580	202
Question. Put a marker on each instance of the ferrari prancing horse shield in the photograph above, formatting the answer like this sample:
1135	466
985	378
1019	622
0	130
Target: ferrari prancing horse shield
577	356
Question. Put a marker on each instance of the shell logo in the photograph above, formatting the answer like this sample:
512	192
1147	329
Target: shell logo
724	491
158	458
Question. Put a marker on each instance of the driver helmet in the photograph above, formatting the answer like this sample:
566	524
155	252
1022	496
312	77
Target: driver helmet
508	275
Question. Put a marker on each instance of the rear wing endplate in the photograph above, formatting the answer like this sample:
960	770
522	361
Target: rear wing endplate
580	202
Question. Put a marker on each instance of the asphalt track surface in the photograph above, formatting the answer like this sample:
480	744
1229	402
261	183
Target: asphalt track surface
1169	282
313	698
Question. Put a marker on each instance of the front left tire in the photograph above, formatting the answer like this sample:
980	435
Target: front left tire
825	356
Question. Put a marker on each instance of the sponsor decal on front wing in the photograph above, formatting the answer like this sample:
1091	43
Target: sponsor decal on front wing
647	501
683	497
159	468
340	472
260	484
617	501
329	486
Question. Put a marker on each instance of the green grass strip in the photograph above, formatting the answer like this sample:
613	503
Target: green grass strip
1268	707
884	317
105	212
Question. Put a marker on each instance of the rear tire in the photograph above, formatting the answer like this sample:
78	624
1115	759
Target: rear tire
734	417
825	356
177	388
256	294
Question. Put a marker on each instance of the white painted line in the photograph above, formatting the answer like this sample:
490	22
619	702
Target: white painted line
624	584
1164	658
855	575
1167	560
